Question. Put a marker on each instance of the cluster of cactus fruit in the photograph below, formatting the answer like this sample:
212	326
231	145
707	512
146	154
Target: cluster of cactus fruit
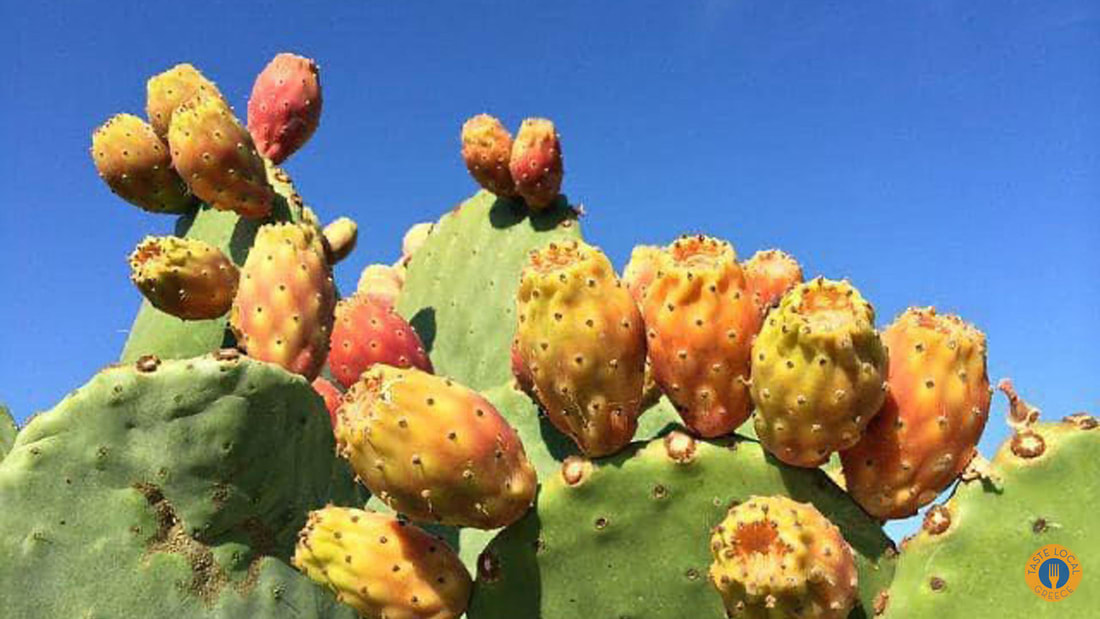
512	429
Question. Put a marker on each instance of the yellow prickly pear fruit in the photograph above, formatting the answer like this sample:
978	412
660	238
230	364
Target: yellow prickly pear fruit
187	278
775	557
341	237
382	567
486	149
700	320
285	305
434	450
818	372
382	282
168	90
641	270
581	336
937	404
137	166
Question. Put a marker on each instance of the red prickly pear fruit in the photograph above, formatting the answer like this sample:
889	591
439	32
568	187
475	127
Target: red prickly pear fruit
187	278
581	337
937	404
382	566
414	238
700	320
775	557
137	166
331	395
285	107
536	163
340	237
771	273
369	331
383	282
215	156
434	450
641	270
166	91
283	311
818	372
486	149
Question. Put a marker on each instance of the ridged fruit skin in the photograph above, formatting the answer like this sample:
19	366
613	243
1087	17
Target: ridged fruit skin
168	90
641	270
434	450
536	163
283	311
413	239
137	166
341	236
331	395
937	405
700	321
382	282
775	557
285	107
486	150
581	336
818	372
381	566
215	156
368	331
187	278
771	273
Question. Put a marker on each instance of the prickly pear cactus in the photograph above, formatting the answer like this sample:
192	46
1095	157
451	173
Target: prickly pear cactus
8	430
971	556
591	549
181	485
157	333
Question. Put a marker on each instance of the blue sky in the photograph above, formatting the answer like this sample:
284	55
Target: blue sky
943	152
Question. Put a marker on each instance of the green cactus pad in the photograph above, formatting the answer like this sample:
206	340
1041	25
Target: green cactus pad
169	490
460	290
970	558
8	430
631	538
157	333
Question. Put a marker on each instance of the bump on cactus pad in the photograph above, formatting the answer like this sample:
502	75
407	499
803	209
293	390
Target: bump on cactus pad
629	536
180	485
8	430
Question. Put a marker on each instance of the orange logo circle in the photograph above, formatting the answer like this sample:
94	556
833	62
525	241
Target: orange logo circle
1053	572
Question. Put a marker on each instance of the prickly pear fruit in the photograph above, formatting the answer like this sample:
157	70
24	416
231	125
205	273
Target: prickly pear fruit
369	331
775	557
771	273
137	166
285	107
215	156
486	148
187	278
434	450
536	163
340	238
168	90
382	281
331	394
283	311
413	239
641	270
818	372
937	404
700	319
383	567
524	380
581	336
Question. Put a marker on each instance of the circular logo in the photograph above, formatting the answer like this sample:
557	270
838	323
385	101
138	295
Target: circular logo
1053	572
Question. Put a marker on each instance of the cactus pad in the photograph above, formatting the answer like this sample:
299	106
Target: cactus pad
8	430
180	484
629	536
